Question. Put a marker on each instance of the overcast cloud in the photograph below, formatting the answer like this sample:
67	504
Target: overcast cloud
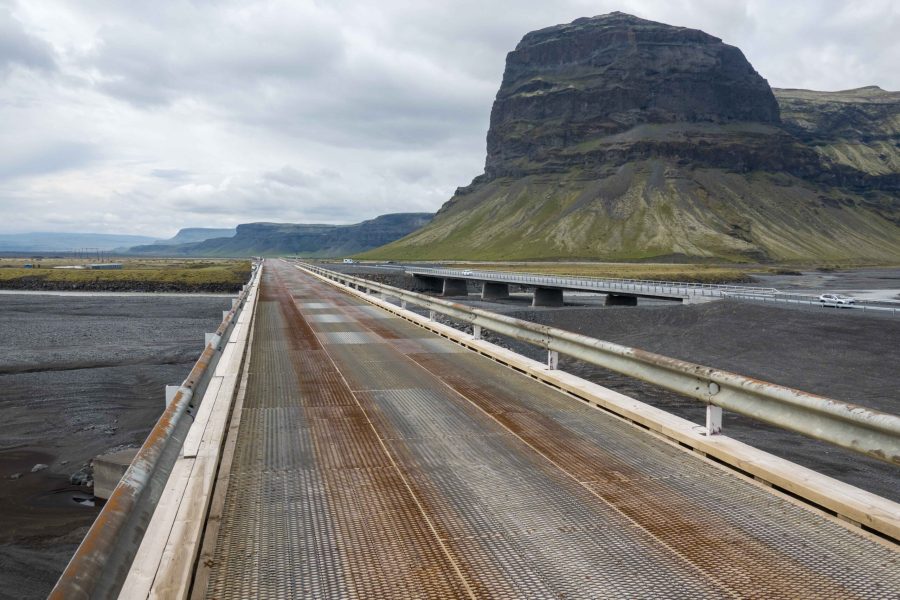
145	117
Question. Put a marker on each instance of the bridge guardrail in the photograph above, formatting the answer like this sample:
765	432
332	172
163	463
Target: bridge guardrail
864	430
577	282
882	307
100	564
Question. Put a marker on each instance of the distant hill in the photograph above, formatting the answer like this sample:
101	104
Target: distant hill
314	241
190	235
618	138
64	242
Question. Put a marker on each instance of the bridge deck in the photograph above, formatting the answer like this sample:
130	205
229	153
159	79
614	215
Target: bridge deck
374	459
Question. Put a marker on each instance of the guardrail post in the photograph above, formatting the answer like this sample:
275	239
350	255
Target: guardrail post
476	332
552	360
713	419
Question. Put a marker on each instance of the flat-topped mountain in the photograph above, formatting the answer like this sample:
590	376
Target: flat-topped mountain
571	84
614	137
188	235
273	239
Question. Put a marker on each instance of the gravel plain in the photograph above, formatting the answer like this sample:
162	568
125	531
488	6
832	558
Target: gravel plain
79	376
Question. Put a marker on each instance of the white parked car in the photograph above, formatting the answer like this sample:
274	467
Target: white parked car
836	299
467	272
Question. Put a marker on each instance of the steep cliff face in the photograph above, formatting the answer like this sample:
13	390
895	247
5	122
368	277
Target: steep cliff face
273	239
857	128
619	138
573	84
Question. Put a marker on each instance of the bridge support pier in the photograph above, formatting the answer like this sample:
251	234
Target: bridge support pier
620	300
455	287
547	297
424	283
494	291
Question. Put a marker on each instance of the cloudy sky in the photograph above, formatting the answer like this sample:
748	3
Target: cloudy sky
144	117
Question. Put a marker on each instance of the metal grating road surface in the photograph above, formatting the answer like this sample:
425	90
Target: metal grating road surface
375	460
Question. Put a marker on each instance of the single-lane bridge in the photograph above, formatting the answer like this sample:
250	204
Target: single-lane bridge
364	452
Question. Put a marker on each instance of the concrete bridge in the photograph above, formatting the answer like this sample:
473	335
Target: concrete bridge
548	289
332	443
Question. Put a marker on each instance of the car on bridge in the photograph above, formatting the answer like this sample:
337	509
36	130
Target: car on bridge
836	300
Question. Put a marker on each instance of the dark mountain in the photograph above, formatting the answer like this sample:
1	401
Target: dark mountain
275	239
196	234
614	137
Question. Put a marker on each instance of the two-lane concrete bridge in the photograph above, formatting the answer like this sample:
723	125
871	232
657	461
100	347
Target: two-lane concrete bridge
367	457
548	289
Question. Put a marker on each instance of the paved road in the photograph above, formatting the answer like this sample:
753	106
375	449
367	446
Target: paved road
376	460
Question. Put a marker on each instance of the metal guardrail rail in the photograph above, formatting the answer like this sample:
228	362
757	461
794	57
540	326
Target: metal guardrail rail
861	429
101	562
638	286
879	306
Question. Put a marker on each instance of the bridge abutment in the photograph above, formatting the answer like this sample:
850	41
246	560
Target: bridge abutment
428	284
494	291
455	287
547	297
620	300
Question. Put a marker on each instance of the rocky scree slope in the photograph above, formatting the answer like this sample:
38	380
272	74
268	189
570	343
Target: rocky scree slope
615	137
274	239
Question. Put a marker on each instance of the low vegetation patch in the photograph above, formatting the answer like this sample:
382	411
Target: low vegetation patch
154	275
